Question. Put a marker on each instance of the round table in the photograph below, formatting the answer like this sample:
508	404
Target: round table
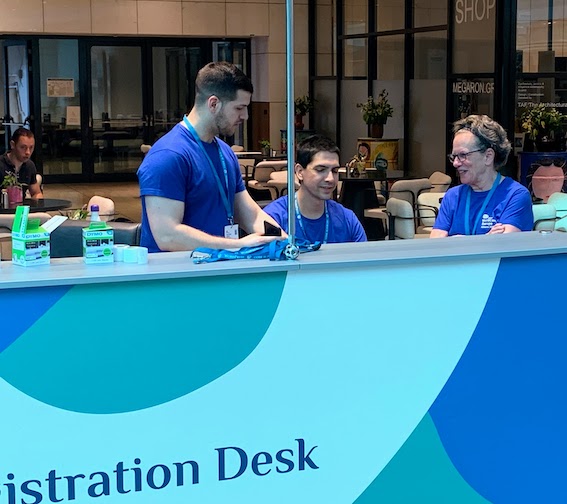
39	205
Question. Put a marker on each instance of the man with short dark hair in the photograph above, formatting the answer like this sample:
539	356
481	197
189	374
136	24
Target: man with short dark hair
317	216
18	161
190	181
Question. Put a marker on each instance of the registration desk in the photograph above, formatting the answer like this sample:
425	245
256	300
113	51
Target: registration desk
395	372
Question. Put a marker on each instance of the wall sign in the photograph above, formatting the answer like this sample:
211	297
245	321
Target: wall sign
473	87
61	88
469	11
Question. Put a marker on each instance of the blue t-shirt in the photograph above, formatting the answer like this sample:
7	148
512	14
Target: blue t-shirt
343	224
176	168
511	203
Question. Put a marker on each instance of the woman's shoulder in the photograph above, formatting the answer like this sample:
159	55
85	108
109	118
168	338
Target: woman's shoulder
454	192
511	185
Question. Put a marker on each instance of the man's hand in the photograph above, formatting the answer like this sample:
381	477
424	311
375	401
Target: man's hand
255	239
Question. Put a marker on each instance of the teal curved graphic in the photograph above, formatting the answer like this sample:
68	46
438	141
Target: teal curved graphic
124	347
350	364
421	473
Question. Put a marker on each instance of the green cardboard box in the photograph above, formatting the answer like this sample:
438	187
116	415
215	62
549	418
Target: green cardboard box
30	241
98	240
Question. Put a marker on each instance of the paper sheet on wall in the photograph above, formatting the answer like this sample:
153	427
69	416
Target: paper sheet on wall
73	115
61	88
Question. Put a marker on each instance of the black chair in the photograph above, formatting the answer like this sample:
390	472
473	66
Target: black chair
67	239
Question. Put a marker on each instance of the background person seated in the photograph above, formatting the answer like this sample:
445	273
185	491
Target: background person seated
486	202
18	161
317	216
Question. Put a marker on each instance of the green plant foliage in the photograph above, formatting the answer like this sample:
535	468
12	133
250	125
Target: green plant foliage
376	111
265	144
303	105
10	180
541	122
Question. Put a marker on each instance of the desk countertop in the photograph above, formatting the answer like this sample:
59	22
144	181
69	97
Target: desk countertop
72	271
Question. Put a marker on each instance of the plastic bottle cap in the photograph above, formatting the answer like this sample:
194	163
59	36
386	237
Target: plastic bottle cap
94	208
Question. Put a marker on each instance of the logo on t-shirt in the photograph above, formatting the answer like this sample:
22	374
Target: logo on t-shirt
487	221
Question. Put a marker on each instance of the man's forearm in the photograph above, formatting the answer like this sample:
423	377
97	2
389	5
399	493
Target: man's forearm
183	237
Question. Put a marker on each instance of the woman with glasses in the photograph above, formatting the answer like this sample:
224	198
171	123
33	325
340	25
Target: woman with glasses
486	202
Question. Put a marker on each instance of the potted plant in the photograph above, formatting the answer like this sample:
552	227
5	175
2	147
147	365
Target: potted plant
375	113
13	188
543	126
303	105
266	147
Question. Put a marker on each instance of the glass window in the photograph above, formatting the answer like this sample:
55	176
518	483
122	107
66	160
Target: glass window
474	36
117	111
540	39
171	90
473	96
60	106
355	57
325	113
429	13
326	49
430	55
390	15
3	130
428	98
355	17
390	57
352	124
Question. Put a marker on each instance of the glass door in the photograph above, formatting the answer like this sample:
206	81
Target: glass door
118	125
93	102
174	72
16	84
235	52
60	102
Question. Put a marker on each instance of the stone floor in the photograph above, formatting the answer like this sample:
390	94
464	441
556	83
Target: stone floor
126	195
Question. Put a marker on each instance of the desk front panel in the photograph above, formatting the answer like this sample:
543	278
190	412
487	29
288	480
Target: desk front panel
433	382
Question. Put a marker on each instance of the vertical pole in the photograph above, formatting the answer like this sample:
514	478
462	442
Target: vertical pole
290	122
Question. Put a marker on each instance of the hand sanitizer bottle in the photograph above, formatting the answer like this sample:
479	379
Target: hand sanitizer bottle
94	213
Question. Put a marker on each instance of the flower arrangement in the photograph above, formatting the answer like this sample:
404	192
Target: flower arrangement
376	111
10	180
303	105
541	122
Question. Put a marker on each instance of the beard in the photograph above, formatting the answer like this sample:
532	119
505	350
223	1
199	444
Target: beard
224	127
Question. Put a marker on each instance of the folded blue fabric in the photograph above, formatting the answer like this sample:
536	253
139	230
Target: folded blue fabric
274	251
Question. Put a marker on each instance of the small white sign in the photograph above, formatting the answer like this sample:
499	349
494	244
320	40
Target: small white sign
73	115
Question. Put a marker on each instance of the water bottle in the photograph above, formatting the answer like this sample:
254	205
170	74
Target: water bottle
94	213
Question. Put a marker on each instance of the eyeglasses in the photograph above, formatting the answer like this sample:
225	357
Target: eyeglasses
462	156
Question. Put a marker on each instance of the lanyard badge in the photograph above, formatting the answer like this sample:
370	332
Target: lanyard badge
231	230
482	208
300	221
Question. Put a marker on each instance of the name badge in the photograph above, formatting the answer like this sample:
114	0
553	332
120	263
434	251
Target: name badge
231	231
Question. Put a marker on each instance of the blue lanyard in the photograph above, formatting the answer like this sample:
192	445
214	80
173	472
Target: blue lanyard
482	208
228	205
300	221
